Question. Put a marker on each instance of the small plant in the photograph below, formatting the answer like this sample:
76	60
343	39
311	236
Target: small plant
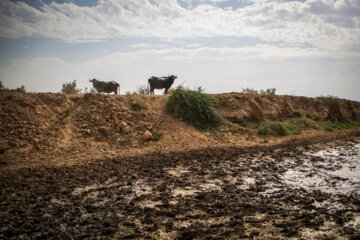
155	137
138	105
70	88
355	116
141	90
195	108
269	91
297	114
250	91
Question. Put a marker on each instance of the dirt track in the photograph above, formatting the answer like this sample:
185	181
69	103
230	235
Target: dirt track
213	193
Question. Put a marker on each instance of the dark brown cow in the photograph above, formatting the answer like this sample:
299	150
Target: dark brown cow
106	87
161	82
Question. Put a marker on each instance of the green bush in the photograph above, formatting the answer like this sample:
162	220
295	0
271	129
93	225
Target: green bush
303	123
194	107
277	128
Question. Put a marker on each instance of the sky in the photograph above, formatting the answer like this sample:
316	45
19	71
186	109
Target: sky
303	48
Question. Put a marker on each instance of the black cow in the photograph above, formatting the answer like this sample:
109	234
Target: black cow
106	87
160	83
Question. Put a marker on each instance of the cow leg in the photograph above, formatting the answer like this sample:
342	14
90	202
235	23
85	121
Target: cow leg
165	92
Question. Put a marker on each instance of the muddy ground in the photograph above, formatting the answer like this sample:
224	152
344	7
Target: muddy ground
308	192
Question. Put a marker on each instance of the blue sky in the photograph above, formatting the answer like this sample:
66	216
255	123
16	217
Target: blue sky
308	48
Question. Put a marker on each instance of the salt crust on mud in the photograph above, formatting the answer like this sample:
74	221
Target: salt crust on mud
335	173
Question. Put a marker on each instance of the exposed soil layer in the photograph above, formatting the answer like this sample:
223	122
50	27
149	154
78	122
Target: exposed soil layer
46	129
221	193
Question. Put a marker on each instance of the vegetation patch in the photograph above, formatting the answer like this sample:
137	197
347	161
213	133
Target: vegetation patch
277	128
194	107
304	123
298	124
140	90
339	125
327	97
155	137
138	105
269	91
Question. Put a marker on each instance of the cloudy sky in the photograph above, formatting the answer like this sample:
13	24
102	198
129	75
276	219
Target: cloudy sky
307	48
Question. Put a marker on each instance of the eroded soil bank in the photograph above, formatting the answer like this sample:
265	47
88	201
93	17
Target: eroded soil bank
47	129
308	192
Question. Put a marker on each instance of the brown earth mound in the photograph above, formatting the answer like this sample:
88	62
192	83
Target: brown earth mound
53	128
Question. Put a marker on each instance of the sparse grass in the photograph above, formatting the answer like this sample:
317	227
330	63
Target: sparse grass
277	128
339	125
138	105
304	123
269	91
140	90
327	96
194	107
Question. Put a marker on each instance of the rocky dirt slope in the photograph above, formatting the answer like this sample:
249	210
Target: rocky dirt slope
53	128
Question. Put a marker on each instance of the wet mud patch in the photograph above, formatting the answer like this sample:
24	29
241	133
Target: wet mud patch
289	193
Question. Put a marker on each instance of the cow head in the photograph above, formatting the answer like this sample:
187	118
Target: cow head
93	80
173	77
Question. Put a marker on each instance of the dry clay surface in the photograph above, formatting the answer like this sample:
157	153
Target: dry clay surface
38	129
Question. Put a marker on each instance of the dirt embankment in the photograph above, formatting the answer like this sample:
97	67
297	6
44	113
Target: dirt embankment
52	128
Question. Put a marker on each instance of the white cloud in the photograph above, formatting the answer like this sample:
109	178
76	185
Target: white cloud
315	22
141	45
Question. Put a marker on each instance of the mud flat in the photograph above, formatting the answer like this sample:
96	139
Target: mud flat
309	192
